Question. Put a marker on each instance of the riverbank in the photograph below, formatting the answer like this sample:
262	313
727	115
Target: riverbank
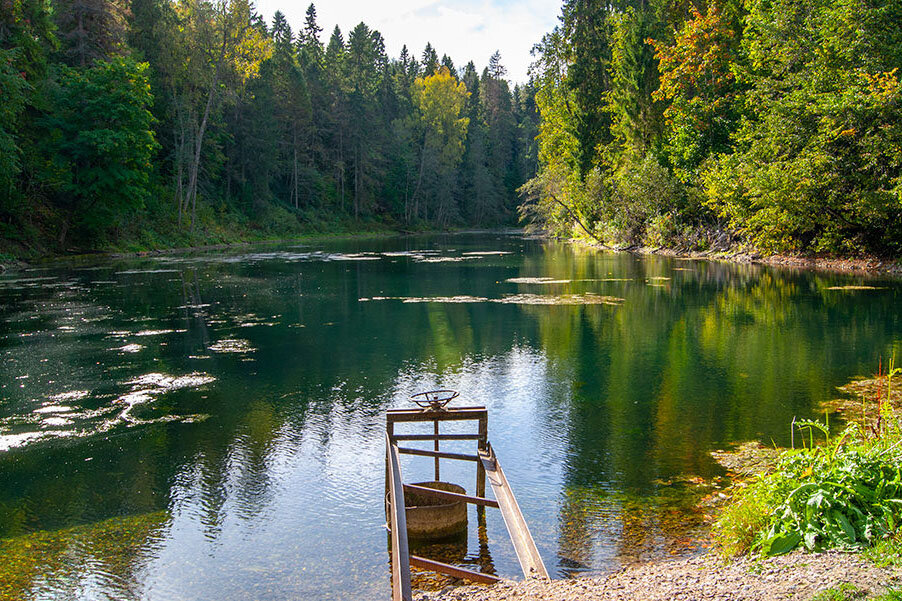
866	265
798	576
10	261
727	251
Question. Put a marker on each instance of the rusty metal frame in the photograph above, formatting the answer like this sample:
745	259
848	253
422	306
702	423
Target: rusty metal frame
486	465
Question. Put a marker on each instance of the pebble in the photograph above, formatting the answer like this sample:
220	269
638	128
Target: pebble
798	576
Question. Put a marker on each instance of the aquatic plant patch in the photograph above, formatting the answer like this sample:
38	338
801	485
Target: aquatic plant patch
43	561
513	299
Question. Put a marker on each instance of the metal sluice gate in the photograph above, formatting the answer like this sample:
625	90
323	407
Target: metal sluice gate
433	409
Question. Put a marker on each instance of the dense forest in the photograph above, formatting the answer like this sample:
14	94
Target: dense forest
770	124
774	124
140	123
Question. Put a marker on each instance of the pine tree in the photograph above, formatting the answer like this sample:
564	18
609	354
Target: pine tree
449	64
430	60
91	29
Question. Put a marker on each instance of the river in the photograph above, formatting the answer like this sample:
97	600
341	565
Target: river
210	425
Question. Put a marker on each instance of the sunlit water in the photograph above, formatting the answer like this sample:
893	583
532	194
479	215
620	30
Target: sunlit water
210	426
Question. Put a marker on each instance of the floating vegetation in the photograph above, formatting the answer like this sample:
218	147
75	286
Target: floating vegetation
53	409
486	253
44	559
12	441
164	383
748	459
144	389
564	299
232	345
536	281
409	253
130	348
71	421
445	259
354	257
850	288
158	332
429	299
864	398
514	299
659	278
72	395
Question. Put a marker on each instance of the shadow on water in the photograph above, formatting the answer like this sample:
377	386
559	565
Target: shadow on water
239	398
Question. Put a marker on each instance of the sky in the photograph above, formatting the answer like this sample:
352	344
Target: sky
465	30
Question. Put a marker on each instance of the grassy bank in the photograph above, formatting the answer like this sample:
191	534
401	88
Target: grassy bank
153	233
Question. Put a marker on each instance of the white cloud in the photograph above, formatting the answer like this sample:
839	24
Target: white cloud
464	30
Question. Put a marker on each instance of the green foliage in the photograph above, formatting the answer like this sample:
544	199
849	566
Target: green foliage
844	493
782	116
644	193
818	156
251	128
698	81
102	143
13	90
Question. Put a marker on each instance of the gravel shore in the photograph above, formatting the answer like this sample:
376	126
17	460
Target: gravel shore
798	576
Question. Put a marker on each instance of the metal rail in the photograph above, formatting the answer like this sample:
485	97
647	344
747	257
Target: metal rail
437	454
524	545
450	496
444	568
400	556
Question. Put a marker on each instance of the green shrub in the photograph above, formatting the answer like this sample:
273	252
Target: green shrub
844	493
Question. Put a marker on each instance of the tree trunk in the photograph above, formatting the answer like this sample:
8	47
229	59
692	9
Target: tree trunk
295	184
198	146
357	182
416	191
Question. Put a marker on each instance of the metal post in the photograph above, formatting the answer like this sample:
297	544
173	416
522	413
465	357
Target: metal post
480	470
435	429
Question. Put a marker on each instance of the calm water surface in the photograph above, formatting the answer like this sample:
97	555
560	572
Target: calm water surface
210	426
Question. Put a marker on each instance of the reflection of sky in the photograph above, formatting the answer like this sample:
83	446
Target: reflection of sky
317	533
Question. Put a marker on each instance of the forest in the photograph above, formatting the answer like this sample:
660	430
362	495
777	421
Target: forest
773	125
769	125
147	123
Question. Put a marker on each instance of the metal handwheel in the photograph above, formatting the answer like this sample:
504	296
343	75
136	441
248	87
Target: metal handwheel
434	399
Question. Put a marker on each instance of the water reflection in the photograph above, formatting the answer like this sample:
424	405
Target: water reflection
239	399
